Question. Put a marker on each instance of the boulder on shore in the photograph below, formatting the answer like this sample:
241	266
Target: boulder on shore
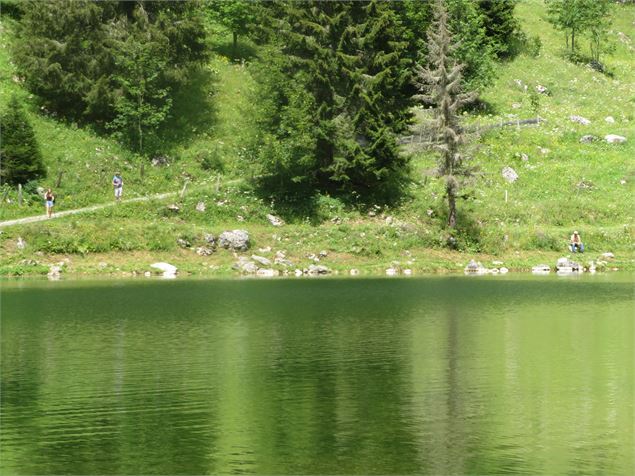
237	240
168	269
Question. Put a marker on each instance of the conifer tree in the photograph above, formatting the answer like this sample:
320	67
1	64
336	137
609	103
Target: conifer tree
439	83
20	156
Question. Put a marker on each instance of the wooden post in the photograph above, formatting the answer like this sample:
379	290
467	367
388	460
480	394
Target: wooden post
182	194
20	194
58	182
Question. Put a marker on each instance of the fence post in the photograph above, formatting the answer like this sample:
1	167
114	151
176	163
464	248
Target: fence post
20	194
182	194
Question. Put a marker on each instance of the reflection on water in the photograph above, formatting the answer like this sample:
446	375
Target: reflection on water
444	375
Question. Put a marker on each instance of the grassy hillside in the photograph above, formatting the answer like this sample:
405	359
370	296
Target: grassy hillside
562	185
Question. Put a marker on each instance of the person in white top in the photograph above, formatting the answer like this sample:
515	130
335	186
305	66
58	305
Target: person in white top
576	243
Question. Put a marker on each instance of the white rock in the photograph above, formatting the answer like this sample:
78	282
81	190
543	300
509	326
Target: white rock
20	243
614	139
298	272
274	220
266	273
200	207
580	120
391	272
407	272
541	89
509	174
497	263
609	120
354	272
503	270
261	259
608	255
168	269
147	274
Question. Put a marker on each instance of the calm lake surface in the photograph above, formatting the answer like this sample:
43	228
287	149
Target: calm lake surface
438	375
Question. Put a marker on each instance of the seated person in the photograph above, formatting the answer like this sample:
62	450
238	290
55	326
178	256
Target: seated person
576	243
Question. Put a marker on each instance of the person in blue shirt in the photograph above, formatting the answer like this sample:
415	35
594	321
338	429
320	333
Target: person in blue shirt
117	183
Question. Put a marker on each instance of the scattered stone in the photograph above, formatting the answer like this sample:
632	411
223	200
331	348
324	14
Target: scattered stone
524	157
28	262
147	274
173	207
183	243
580	120
240	218
509	174
516	105
584	185
261	260
503	270
211	239
407	272
622	182
266	249
497	263
541	89
541	269
336	220
266	273
20	243
204	251
54	272
565	265
298	272
609	120
283	262
389	220
475	267
200	207
608	255
544	150
372	213
588	138
323	254
168	269
245	266
274	220
318	269
614	139
279	254
354	272
102	265
160	161
237	240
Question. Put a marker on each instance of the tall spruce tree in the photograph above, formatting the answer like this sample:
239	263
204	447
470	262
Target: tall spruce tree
439	83
502	28
20	156
344	76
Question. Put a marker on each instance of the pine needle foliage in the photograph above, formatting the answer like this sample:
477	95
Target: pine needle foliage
439	83
20	155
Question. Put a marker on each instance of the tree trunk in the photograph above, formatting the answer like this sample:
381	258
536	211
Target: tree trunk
452	209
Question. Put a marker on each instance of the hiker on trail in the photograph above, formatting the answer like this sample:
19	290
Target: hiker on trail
576	243
49	198
117	183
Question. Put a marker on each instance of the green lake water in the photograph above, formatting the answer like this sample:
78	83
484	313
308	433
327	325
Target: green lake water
438	375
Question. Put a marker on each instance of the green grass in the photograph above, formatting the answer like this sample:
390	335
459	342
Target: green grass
588	187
